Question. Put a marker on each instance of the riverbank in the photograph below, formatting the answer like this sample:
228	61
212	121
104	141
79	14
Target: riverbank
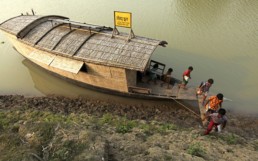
59	128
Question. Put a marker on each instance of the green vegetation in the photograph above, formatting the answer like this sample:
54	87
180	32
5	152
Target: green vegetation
106	119
148	129
256	145
33	134
196	150
124	126
27	133
166	127
151	128
230	138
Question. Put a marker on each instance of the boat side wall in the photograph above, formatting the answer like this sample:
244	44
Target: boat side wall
131	77
97	75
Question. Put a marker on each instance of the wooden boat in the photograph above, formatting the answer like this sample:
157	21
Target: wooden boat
90	56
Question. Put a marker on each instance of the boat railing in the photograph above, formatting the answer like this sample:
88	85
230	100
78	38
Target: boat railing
86	25
161	67
97	29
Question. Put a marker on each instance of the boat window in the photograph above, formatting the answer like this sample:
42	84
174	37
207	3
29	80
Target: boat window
161	67
84	68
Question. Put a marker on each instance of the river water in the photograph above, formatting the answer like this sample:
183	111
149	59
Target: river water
219	38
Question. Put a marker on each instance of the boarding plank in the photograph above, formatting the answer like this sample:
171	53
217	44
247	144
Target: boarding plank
188	93
202	110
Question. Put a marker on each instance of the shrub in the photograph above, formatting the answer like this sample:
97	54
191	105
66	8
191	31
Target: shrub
106	119
230	139
165	127
196	150
148	129
124	126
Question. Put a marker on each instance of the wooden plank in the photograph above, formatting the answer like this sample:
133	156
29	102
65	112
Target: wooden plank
175	90
42	57
139	90
187	94
202	110
67	64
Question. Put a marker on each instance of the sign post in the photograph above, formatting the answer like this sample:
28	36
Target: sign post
123	19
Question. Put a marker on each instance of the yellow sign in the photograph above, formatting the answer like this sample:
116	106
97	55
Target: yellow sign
123	19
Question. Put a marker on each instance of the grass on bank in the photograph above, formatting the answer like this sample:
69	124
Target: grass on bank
196	149
31	133
123	125
256	145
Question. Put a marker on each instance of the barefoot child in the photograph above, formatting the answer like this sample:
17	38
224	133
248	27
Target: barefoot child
217	120
204	89
167	77
153	74
186	76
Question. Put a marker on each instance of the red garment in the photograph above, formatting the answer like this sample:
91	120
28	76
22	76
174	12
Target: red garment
210	126
187	73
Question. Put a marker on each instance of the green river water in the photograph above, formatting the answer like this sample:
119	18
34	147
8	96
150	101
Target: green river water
219	38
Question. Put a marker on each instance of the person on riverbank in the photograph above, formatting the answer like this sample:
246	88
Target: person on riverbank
204	89
214	103
217	120
186	77
153	74
167	77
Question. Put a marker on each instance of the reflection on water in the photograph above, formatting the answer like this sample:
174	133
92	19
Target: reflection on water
218	38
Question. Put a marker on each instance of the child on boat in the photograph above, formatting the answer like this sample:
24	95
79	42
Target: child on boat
167	77
153	74
186	77
214	103
204	89
217	120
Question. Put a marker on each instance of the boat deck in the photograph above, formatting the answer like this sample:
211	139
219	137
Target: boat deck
174	91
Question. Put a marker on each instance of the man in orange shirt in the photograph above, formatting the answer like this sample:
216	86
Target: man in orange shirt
214	103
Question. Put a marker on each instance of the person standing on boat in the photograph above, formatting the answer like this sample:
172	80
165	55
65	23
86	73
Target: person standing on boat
217	120
186	76
153	74
167	77
204	89
214	103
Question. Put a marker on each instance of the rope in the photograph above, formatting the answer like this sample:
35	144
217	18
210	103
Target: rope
186	107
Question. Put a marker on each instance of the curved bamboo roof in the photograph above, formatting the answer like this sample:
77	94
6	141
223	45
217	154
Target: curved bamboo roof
85	42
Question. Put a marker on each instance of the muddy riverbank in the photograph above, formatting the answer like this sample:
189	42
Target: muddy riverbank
60	128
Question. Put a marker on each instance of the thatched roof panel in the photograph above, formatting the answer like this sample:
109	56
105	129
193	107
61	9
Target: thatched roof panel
117	52
95	46
53	37
72	42
15	25
36	33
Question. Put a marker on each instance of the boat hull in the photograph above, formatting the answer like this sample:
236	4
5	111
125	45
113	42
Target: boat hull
77	79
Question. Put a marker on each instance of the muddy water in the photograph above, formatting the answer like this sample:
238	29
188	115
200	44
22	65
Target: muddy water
218	38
